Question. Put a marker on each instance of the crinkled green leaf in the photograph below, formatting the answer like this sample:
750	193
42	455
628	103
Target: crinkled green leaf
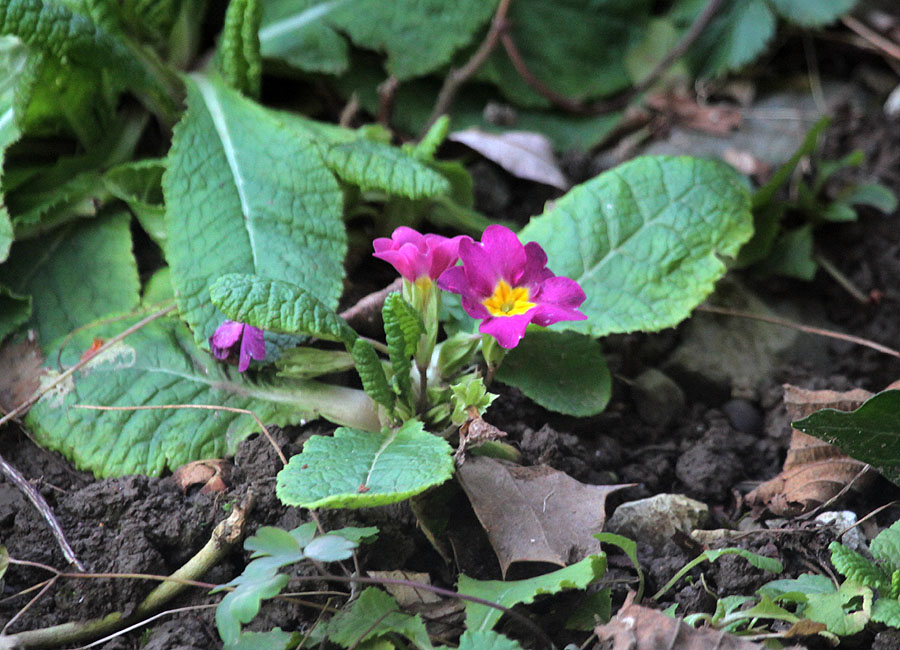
274	639
278	306
371	374
644	240
562	371
870	434
244	196
845	611
239	56
508	593
734	38
160	365
372	615
355	469
403	328
426	148
559	40
856	567
14	311
149	20
886	546
887	611
813	14
418	36
75	275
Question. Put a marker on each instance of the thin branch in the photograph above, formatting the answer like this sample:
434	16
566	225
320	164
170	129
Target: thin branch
457	77
387	91
27	404
49	583
886	45
802	328
367	310
515	57
168	612
204	407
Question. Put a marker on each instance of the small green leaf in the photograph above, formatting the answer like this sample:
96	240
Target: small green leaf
792	255
845	611
355	469
870	434
508	593
258	582
797	590
813	14
857	568
240	59
372	615
244	195
629	547
274	639
649	237
736	36
562	371
481	640
887	611
886	546
277	306
374	381
403	328
766	193
874	195
106	280
426	148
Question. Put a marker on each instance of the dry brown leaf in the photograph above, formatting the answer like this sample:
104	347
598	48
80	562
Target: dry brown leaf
21	368
814	472
534	514
642	628
405	595
522	153
211	474
684	110
474	432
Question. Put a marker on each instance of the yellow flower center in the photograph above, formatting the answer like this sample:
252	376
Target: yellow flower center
508	301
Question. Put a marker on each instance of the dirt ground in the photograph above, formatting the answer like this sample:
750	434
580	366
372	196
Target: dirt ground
715	449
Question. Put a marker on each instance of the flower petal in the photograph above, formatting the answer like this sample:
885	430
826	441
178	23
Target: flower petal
225	336
535	269
563	291
475	308
505	250
253	345
508	330
481	269
444	253
546	314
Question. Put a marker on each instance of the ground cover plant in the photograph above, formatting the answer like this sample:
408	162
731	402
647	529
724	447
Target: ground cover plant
258	292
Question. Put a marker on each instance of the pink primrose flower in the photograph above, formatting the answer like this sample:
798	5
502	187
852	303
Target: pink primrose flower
417	256
508	286
229	333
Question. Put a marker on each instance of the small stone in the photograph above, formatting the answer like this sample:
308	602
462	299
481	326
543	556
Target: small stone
654	520
744	416
841	520
657	399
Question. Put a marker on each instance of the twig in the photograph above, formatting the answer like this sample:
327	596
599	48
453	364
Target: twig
38	501
349	111
840	278
223	537
205	407
49	583
368	309
458	77
803	328
387	90
566	103
27	404
886	45
168	612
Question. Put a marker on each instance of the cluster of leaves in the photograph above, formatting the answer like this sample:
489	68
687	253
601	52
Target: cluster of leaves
374	616
783	240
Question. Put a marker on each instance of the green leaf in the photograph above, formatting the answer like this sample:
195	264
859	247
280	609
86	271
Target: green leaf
106	280
792	255
371	374
258	582
240	59
766	193
274	639
870	434
13	62
244	196
874	195
481	640
536	27
857	568
159	365
305	363
797	590
812	14
481	617
845	611
562	371
736	36
426	148
355	469
419	36
649	234
14	311
278	306
139	184
887	611
158	289
759	561
886	546
372	615
629	547
403	328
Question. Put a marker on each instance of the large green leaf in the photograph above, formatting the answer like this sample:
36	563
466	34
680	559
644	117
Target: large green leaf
158	365
75	275
559	41
644	240
812	14
509	593
418	36
356	469
870	434
562	371
244	196
13	58
278	306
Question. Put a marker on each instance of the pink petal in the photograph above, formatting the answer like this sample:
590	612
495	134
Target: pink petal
474	308
253	345
560	290
535	270
481	269
444	253
225	336
406	259
406	235
508	330
546	314
454	280
505	250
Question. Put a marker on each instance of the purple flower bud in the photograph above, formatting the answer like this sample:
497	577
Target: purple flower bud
229	333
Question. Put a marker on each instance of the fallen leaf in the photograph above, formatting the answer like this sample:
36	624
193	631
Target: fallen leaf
684	109
642	628
474	432
814	471
748	164
522	153
405	595
211	474
20	373
534	514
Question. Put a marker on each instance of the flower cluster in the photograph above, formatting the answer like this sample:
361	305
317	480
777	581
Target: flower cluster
229	334
502	282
